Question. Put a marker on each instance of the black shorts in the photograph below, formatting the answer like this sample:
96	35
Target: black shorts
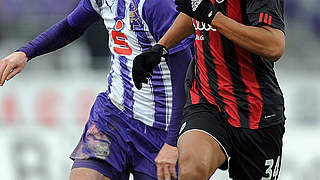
251	154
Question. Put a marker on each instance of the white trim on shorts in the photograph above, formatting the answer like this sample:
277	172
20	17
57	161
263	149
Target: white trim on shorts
225	152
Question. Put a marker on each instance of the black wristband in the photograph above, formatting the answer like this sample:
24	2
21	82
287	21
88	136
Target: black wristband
201	10
164	50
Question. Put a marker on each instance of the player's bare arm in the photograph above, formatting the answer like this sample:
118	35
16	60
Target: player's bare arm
12	65
180	29
265	41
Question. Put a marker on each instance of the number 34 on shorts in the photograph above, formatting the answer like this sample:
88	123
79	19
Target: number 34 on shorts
272	169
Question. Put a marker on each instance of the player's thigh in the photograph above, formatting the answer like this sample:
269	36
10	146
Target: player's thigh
257	154
199	151
86	174
203	141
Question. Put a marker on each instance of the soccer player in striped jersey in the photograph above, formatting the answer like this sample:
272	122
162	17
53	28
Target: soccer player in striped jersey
127	127
234	113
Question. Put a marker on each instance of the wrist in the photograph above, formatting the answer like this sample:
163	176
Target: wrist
23	54
172	141
164	42
27	51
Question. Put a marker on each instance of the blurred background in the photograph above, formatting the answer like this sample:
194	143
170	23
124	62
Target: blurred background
43	110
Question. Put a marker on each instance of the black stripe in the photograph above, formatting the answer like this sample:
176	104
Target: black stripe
258	67
245	19
211	69
189	80
197	78
192	76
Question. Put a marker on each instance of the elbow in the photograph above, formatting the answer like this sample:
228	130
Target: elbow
275	52
274	46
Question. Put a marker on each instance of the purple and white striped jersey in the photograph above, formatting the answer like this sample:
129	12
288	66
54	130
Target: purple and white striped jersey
134	26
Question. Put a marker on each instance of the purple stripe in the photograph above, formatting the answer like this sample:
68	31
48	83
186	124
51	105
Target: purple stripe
127	86
121	8
159	94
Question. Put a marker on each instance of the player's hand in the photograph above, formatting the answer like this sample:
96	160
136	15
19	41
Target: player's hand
12	65
166	162
201	10
144	63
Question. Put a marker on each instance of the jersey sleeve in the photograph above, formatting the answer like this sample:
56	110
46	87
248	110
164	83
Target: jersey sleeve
266	12
178	64
159	16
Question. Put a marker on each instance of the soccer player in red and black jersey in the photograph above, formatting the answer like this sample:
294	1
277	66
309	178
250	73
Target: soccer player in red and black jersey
234	114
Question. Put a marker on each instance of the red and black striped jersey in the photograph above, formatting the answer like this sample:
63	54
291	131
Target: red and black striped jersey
243	85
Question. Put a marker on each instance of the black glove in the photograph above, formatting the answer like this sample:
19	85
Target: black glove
144	63
201	10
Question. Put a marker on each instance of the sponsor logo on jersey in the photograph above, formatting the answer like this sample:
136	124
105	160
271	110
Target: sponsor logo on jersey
201	26
120	40
119	25
199	37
